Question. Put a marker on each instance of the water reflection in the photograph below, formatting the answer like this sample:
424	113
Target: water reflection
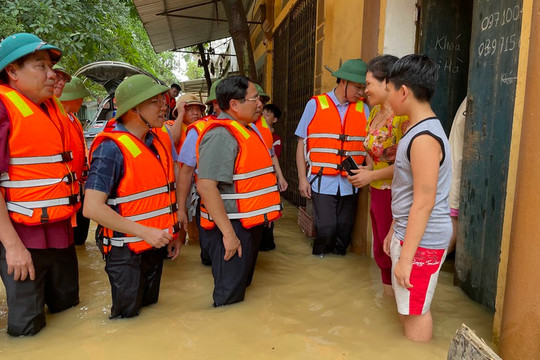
298	307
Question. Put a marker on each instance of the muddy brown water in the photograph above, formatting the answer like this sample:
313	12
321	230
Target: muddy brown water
298	307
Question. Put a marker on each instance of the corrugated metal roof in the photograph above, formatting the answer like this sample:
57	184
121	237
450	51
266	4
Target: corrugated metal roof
167	31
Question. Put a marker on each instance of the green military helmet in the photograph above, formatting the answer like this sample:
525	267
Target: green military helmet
74	89
58	68
134	90
212	96
18	45
261	93
352	70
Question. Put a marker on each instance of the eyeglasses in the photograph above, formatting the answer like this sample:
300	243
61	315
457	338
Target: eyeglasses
160	101
251	99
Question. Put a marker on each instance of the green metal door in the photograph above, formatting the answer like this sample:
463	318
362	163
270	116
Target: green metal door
444	34
496	29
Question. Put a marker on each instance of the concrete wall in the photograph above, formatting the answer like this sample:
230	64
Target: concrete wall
399	27
342	37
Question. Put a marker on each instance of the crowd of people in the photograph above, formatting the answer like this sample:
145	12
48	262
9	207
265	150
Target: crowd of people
163	172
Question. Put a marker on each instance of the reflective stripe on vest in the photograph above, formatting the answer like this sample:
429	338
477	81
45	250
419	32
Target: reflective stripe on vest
35	160
27	207
141	195
120	241
68	179
236	216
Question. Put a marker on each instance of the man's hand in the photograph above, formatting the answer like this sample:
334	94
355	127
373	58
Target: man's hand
282	183
19	263
182	219
173	248
180	110
305	188
232	245
156	237
361	177
402	271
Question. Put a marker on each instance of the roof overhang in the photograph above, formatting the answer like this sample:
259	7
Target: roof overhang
176	24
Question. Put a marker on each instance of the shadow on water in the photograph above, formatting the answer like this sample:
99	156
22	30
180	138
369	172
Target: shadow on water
298	307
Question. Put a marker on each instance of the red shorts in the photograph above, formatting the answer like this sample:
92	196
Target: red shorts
424	275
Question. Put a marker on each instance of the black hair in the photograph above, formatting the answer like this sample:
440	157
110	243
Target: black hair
176	86
273	109
416	71
380	66
4	77
234	87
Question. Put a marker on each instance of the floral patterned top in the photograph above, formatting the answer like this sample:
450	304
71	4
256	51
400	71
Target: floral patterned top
381	144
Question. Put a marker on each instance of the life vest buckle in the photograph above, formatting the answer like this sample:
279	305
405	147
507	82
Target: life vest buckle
173	208
342	152
44	215
343	137
70	178
67	156
73	199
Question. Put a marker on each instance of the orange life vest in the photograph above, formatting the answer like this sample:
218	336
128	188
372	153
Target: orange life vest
265	131
200	124
256	191
329	141
146	193
40	185
78	147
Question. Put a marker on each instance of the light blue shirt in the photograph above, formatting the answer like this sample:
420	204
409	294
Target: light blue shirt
329	185
188	152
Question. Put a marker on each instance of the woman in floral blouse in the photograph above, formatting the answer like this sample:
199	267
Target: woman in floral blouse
384	130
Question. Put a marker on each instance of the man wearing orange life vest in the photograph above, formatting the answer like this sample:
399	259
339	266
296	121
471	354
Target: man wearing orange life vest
130	193
72	97
238	188
332	127
188	198
38	190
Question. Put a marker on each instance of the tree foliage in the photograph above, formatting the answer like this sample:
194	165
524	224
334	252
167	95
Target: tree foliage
88	31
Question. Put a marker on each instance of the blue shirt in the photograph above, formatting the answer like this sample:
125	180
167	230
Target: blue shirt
188	153
329	185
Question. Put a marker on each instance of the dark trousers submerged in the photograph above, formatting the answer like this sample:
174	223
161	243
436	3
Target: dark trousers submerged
233	276
135	279
204	243
334	220
56	285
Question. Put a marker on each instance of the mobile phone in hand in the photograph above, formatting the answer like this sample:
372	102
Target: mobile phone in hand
349	164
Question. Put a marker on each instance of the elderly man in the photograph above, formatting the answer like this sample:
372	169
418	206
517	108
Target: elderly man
332	127
38	191
130	193
238	188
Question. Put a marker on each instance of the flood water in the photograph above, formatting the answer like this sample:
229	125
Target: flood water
298	307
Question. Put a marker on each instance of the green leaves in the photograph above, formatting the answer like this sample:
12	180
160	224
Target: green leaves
87	31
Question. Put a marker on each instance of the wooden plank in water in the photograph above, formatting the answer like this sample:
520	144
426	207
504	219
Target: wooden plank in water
466	345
